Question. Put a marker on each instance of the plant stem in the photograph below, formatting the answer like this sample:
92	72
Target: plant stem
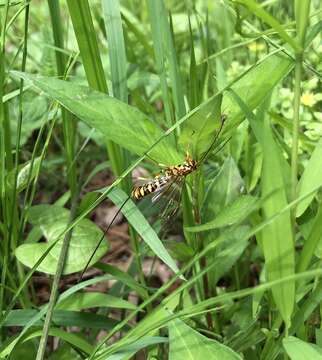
296	126
54	290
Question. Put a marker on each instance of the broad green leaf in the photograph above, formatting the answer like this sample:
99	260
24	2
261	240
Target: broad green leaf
85	300
143	228
199	131
34	114
277	238
233	213
310	179
186	343
53	220
117	121
23	175
222	190
300	350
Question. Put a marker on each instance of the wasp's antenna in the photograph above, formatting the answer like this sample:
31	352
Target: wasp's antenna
223	119
101	239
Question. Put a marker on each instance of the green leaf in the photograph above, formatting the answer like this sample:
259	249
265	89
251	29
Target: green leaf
233	213
143	228
34	114
53	220
85	300
222	190
277	237
310	179
199	131
117	121
300	350
186	343
124	278
61	318
23	175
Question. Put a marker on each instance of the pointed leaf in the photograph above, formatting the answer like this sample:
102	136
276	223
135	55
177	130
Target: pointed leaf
301	350
117	121
188	344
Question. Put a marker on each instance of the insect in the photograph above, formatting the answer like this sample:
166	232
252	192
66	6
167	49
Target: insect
172	174
164	183
161	182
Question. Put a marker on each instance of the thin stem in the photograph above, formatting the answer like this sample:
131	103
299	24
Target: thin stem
296	126
203	260
54	290
3	195
14	225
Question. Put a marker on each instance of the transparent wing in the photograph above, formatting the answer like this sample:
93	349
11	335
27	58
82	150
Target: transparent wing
163	190
172	200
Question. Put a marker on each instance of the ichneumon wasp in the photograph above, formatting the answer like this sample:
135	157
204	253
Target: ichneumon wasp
171	177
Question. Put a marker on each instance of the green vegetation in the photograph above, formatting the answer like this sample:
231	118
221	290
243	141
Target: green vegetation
119	87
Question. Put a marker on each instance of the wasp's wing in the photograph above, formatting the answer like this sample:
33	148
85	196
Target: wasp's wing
163	190
172	200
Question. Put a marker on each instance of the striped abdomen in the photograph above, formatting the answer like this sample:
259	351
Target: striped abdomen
184	169
150	187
